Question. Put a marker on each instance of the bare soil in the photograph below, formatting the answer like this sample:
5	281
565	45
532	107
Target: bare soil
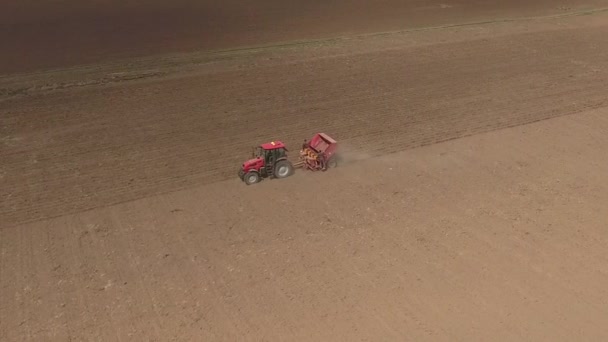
37	35
470	204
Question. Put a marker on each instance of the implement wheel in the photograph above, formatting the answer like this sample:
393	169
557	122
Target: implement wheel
333	162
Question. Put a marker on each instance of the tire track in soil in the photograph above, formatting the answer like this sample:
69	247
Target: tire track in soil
122	143
137	279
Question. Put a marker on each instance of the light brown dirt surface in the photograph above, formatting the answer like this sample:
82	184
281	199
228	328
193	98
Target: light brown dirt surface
471	204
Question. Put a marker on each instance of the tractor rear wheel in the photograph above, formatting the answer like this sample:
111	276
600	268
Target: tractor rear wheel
251	177
283	169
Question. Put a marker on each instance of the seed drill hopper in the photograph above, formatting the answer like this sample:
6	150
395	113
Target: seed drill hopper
319	153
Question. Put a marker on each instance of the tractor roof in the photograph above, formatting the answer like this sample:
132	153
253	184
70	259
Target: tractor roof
273	145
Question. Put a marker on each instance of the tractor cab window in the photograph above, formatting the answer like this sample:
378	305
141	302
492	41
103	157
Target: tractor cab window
281	153
269	158
259	151
262	153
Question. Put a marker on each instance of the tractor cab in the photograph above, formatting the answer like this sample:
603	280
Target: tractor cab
268	160
270	152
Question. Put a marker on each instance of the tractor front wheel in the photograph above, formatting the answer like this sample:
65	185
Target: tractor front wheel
251	177
283	169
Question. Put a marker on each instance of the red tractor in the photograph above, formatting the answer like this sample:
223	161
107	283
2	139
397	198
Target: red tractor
270	160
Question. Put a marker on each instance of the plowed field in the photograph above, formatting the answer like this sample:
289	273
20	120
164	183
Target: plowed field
470	204
36	34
